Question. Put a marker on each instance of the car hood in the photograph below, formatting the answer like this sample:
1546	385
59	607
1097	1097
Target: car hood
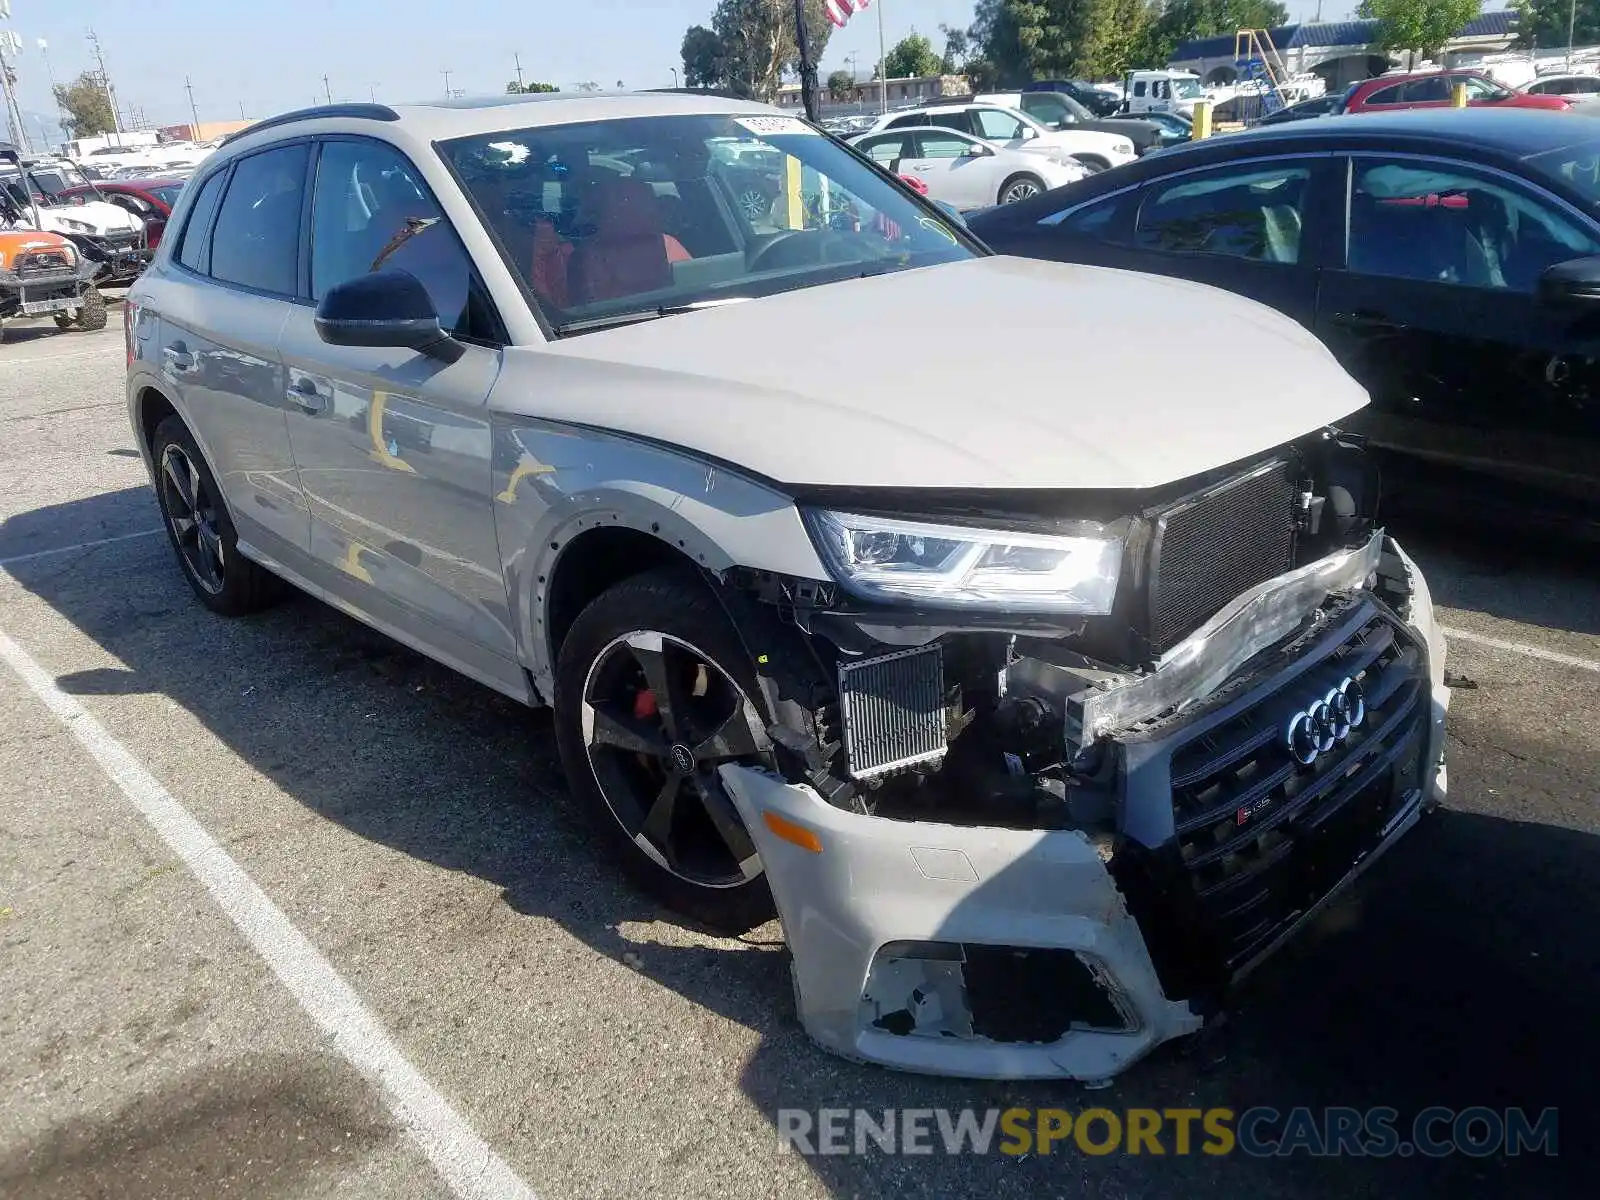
995	372
103	215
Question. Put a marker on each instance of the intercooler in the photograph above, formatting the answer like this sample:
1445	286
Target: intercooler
1215	545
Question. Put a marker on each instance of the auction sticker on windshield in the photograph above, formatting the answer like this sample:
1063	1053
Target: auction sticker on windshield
773	126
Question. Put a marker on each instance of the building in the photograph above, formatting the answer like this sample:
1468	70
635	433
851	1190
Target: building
1342	52
206	131
911	90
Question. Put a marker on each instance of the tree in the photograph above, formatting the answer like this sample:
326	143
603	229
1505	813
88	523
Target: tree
588	85
957	49
1418	26
1544	22
702	58
912	58
1180	21
841	85
532	89
87	106
758	43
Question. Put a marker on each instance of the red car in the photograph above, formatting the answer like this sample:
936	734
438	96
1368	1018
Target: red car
1432	89
151	200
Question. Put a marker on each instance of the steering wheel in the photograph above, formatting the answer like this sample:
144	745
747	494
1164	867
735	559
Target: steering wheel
821	244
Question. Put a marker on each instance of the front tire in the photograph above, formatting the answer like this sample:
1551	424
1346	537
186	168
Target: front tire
655	690
1019	188
92	312
200	530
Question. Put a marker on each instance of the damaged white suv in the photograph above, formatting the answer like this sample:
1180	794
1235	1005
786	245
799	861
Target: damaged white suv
1041	700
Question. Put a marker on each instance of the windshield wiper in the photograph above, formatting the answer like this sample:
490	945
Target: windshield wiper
634	316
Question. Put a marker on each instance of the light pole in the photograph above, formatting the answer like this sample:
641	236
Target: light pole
674	71
1572	20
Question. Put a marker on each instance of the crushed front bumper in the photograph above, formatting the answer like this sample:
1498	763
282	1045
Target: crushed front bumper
1004	953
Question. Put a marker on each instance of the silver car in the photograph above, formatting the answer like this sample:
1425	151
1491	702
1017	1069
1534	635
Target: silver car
1076	674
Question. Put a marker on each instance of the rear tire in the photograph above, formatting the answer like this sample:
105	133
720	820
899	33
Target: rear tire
654	688
1019	188
92	314
199	528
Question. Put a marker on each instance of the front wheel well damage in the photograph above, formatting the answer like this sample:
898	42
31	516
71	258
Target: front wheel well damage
592	562
153	408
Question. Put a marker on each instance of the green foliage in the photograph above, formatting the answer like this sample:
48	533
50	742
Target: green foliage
957	49
751	45
914	56
1420	25
1544	22
841	84
532	89
1020	40
702	58
87	106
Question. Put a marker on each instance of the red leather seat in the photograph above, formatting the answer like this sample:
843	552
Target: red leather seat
628	251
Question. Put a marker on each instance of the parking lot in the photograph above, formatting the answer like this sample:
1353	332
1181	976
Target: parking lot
166	1035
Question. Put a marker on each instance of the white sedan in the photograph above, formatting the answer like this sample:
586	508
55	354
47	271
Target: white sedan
963	171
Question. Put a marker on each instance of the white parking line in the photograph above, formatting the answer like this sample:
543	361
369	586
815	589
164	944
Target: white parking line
1494	643
76	546
462	1158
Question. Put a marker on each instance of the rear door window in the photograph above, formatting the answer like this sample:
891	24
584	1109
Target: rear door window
1387	95
1253	210
257	239
194	250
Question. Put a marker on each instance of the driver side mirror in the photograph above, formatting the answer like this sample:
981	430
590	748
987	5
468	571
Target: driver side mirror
386	308
979	150
1576	281
1027	133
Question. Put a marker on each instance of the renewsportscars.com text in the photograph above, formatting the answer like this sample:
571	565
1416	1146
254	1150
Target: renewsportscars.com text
1259	1132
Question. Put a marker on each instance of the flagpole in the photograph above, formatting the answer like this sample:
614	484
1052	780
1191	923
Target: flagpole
808	69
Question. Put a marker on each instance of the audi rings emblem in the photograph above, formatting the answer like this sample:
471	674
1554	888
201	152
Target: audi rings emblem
1323	724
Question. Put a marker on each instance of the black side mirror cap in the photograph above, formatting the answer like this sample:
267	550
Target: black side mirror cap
1576	281
386	308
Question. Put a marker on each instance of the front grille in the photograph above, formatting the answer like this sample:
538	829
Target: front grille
1211	547
1261	837
42	262
893	710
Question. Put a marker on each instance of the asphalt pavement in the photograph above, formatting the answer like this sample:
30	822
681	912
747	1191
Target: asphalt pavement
172	1030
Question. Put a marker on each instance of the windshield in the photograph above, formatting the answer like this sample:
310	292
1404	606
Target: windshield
659	213
1577	166
1188	89
167	193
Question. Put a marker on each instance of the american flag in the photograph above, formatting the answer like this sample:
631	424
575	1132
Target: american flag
840	11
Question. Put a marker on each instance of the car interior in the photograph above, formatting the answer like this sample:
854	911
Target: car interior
1255	217
1448	227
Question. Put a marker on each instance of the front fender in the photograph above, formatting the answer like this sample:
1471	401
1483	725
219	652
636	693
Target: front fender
553	483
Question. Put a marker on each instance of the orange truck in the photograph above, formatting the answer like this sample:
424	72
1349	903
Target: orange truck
44	274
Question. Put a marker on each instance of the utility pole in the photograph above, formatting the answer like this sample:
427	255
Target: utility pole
105	83
1572	20
808	69
517	58
446	73
327	91
50	73
883	65
9	41
242	117
194	113
372	91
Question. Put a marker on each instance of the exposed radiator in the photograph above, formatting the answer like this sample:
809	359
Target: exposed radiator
893	710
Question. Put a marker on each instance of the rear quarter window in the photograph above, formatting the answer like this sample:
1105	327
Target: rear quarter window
194	249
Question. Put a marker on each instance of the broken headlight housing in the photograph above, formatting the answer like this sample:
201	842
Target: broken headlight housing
888	559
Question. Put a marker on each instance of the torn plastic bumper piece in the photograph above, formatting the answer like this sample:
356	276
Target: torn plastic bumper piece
911	941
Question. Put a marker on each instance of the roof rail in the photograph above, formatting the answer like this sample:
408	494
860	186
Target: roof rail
689	91
365	112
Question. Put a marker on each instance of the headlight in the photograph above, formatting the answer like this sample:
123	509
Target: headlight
76	226
879	558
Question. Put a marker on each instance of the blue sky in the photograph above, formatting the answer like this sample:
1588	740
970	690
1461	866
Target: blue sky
271	55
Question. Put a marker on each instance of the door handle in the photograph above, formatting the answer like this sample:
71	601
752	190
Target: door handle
1366	321
307	394
178	357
